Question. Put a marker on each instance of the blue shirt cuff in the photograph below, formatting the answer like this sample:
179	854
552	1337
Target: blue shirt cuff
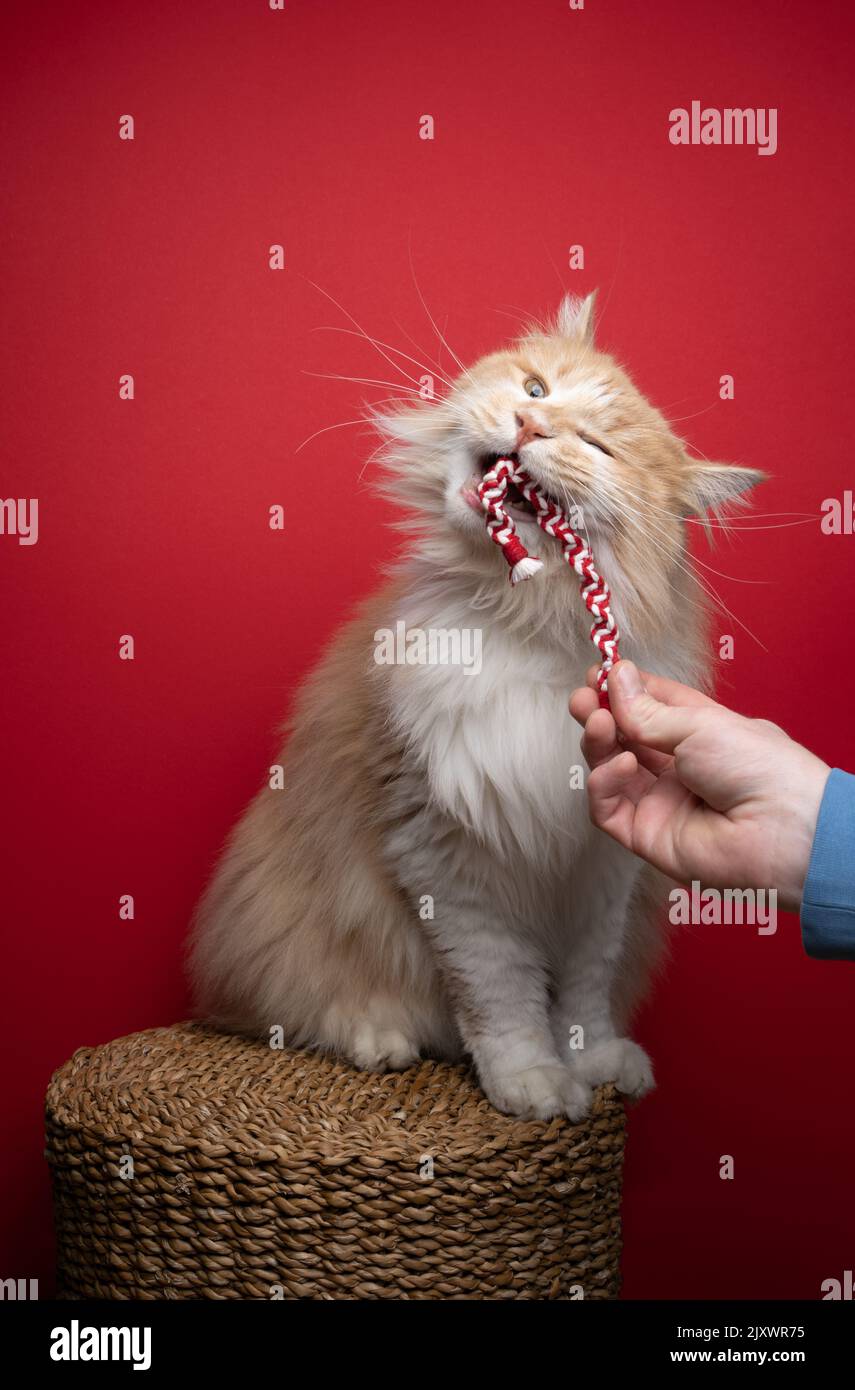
828	901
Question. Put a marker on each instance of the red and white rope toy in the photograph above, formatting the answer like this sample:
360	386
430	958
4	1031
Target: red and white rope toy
550	518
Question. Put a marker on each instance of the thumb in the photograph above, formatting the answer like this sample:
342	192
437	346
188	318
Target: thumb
642	718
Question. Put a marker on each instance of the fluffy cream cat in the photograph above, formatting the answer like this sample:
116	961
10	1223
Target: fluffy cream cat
428	881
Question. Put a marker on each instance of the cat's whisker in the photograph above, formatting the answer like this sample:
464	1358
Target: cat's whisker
699	579
666	551
375	453
705	587
364	381
642	502
633	517
571	500
376	342
725	524
397	400
342	424
357	324
731	526
452	354
437	365
669	405
677	419
520	316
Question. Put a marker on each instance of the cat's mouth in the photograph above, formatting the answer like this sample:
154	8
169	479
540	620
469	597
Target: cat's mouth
517	505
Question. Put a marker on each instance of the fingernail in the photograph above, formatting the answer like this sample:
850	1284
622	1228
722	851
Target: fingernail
625	676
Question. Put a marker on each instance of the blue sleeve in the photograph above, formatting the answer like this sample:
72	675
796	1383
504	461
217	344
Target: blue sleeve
828	902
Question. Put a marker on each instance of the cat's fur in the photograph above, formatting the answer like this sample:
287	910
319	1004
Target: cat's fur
412	785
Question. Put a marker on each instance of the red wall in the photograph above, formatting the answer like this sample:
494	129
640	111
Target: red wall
150	257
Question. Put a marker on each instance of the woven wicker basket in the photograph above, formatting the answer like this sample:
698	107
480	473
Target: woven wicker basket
266	1174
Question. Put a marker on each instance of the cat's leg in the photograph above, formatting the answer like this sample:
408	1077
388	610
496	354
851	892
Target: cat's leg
386	1004
376	1036
483	924
497	979
592	950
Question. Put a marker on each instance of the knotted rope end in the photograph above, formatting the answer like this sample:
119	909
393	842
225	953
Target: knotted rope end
525	568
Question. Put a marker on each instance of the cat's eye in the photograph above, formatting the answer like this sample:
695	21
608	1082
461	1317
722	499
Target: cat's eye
533	386
595	444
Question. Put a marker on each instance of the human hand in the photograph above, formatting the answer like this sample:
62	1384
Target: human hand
697	790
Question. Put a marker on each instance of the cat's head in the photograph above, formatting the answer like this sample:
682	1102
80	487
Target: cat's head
582	430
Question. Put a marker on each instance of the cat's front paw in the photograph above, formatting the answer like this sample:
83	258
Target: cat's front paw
381	1049
538	1093
621	1061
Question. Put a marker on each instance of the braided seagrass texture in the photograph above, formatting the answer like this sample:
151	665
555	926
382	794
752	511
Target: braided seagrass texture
262	1174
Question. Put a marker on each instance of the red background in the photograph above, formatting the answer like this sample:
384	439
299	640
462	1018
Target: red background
151	257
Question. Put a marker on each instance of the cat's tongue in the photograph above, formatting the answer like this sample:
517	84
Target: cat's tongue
469	492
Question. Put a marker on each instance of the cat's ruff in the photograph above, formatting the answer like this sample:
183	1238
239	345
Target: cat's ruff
551	519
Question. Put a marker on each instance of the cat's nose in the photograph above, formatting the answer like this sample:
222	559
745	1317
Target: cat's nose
529	428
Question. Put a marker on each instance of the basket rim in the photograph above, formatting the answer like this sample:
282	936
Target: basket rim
84	1098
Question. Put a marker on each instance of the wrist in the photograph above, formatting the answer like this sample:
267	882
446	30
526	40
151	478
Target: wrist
798	830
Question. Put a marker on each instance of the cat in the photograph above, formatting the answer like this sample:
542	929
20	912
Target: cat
427	881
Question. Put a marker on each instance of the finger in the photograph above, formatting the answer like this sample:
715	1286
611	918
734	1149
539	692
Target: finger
665	690
583	702
599	740
610	806
670	692
621	776
643	719
669	807
649	758
600	743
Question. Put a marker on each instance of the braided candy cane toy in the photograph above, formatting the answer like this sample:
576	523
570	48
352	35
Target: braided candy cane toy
595	591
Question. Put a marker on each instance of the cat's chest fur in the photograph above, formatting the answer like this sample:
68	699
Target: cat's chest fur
497	746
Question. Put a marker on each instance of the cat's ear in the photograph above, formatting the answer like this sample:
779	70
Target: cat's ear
707	486
576	318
